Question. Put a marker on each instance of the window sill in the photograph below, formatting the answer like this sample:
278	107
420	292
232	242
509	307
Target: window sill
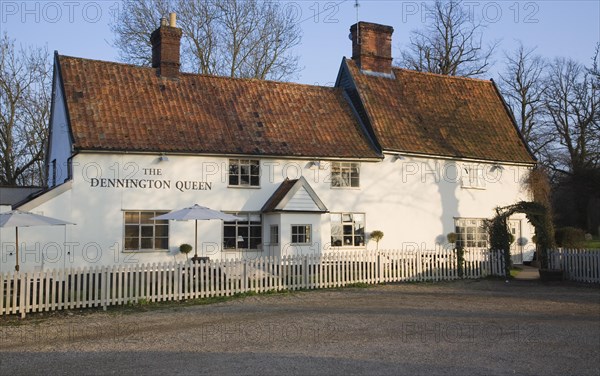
244	186
240	250
477	188
145	250
349	247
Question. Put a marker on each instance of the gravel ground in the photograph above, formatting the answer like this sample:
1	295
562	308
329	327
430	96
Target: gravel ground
456	328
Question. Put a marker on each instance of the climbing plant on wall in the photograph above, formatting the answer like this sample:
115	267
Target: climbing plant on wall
538	215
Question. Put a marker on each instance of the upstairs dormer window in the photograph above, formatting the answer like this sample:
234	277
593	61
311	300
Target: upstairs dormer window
473	176
345	175
244	173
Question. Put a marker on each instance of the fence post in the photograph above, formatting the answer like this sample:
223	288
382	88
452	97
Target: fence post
22	294
378	278
105	284
305	271
244	276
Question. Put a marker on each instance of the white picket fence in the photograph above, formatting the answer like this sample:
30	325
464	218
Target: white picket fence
581	265
124	284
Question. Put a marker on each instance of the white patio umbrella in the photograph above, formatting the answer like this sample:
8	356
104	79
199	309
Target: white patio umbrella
196	213
18	218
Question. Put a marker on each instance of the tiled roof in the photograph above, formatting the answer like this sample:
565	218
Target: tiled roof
14	195
128	108
432	114
278	195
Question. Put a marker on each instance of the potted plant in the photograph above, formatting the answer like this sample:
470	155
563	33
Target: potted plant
377	236
185	249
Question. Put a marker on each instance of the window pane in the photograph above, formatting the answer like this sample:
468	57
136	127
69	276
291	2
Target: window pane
229	242
132	217
234	180
147	243
145	217
147	231
229	231
347	229
162	230
254	181
162	243
131	243
255	231
132	231
254	243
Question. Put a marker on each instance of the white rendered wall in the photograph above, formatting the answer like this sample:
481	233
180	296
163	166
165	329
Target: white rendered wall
413	201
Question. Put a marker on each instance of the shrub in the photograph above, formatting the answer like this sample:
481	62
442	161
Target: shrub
452	237
377	236
570	237
185	249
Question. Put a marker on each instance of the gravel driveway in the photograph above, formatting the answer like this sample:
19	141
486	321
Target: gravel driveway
456	328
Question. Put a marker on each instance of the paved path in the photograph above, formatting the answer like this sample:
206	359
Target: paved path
486	327
528	273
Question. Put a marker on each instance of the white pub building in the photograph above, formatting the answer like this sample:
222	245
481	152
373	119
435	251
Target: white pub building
305	168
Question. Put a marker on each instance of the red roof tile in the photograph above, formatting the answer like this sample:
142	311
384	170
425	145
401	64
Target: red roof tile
128	108
433	114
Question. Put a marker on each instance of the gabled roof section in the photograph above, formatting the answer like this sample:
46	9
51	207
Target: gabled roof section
14	195
294	196
431	114
120	107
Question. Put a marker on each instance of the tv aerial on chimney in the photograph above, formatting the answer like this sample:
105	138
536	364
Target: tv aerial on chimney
357	6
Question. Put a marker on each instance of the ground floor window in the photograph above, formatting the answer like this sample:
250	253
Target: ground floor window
145	234
301	234
244	233
471	232
348	229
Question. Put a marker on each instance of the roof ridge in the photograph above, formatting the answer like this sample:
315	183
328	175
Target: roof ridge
442	75
116	63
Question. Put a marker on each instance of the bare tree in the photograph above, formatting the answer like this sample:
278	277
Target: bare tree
572	102
237	38
522	85
452	44
24	112
594	71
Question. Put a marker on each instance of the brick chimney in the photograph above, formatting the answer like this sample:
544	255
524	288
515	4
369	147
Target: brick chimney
372	46
165	47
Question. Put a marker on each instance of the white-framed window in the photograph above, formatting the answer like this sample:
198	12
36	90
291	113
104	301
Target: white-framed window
244	172
274	234
471	232
348	229
301	234
345	174
472	176
143	233
244	233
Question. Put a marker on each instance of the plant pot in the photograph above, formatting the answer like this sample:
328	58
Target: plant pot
547	275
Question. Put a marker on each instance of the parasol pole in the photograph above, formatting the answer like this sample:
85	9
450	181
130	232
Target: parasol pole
17	243
196	239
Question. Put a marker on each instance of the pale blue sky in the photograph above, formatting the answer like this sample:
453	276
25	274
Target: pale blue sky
556	28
